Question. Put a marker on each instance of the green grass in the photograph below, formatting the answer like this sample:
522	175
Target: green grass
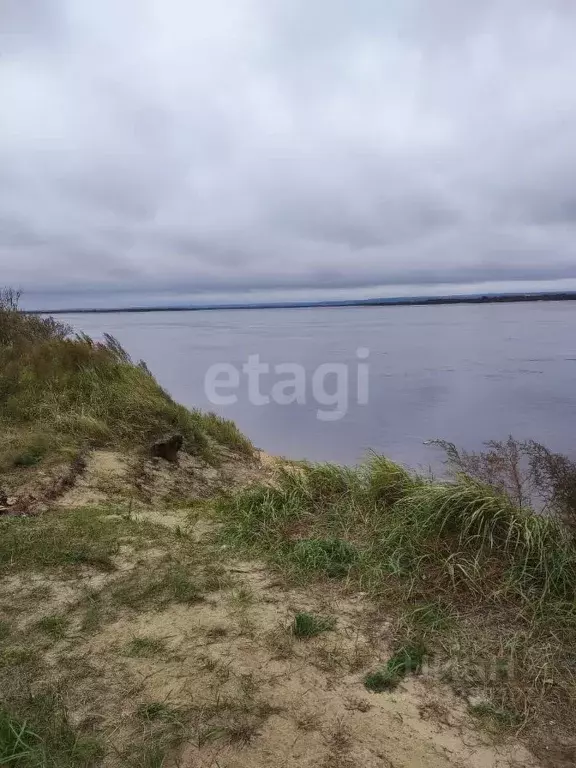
32	454
408	659
464	534
41	736
18	743
429	618
334	557
307	625
226	433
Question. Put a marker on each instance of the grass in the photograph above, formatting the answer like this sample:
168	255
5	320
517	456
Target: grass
145	647
157	710
5	629
463	532
408	659
307	625
231	720
46	689
486	585
171	581
334	557
495	715
68	539
61	393
43	737
55	625
428	618
33	453
18	743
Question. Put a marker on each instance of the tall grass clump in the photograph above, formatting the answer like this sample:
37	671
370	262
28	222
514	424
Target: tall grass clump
62	389
458	564
464	532
473	527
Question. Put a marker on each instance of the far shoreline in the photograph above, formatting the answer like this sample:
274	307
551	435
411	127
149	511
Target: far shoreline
484	298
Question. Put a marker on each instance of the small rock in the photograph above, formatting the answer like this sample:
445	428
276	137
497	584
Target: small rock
168	448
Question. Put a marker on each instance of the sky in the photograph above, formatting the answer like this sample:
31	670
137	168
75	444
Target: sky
161	151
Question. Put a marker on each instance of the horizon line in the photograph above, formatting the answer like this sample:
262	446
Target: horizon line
473	298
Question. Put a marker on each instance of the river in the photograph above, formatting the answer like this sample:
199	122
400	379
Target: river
360	378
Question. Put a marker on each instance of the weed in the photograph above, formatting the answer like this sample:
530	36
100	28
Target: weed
307	625
530	474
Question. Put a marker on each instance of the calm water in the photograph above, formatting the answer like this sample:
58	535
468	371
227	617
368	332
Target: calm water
465	373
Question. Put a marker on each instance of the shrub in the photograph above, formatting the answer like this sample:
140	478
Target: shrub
527	472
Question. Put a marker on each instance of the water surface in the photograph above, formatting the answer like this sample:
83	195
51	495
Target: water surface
464	373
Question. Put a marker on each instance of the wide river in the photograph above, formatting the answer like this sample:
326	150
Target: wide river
385	378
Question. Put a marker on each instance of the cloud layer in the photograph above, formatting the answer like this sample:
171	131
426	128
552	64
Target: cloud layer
280	147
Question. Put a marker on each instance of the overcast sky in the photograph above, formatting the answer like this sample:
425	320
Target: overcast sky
160	150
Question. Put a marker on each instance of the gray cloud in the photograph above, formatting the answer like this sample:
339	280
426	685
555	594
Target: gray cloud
283	147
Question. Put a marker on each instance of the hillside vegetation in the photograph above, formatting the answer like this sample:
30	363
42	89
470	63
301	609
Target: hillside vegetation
61	393
232	610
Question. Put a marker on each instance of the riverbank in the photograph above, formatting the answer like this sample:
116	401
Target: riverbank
233	609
